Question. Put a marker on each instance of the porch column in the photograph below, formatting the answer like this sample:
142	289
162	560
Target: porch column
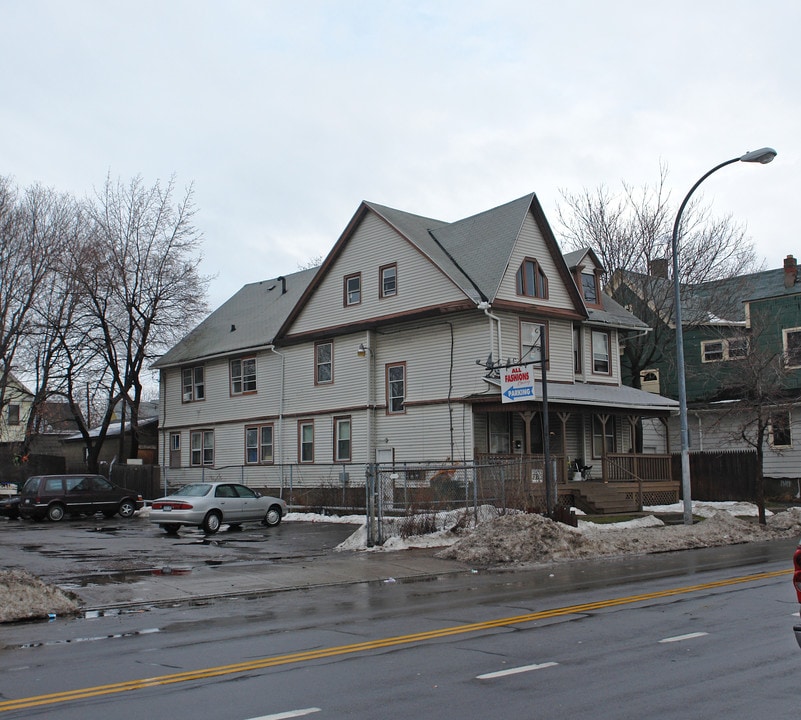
527	416
563	418
603	419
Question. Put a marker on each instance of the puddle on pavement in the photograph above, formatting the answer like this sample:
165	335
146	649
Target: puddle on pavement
124	576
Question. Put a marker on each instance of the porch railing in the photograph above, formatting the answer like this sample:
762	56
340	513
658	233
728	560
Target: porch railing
615	467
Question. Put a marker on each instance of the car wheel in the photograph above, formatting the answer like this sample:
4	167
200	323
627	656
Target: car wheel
55	512
170	528
126	509
211	523
273	516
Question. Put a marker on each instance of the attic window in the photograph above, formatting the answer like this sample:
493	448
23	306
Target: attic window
589	288
531	280
352	289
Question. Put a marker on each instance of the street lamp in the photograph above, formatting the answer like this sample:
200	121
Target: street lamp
763	156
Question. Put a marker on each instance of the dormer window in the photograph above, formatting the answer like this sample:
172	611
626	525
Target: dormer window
589	288
531	280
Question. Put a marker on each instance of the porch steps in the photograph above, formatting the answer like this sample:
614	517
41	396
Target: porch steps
601	499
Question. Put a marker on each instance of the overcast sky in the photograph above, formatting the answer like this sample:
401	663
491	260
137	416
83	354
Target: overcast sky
284	116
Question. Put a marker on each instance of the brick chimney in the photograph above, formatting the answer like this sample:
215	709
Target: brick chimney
790	271
658	267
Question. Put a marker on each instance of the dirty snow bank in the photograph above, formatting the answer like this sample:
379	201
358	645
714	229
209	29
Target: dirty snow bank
25	597
523	539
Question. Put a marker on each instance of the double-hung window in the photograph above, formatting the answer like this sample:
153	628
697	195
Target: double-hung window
342	442
323	363
259	444
202	447
193	384
243	376
533	341
724	349
601	359
396	388
13	414
388	280
306	441
352	289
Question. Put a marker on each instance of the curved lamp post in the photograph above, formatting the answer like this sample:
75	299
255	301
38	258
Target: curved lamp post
764	156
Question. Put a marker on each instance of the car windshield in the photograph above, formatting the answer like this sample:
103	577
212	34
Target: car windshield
196	490
31	485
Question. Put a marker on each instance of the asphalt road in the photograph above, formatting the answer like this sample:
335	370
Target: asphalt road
695	634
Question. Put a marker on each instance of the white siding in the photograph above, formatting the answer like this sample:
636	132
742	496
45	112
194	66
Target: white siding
373	245
531	244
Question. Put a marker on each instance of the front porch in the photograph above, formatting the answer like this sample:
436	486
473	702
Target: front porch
618	482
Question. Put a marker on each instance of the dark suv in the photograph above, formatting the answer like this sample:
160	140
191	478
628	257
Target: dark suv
53	496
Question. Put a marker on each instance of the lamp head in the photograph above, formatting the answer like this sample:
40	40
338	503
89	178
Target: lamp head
763	156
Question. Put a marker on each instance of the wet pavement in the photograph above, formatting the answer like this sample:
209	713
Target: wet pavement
116	563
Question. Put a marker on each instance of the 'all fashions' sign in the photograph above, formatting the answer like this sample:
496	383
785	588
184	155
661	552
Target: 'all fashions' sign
517	383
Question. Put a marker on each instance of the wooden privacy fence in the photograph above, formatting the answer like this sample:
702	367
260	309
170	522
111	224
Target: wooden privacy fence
721	475
143	479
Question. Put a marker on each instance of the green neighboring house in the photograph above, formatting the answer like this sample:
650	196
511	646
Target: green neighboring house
725	323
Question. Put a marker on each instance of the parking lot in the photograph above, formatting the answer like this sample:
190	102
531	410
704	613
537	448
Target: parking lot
96	550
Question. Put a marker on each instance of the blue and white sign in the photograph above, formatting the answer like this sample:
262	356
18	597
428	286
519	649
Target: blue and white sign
517	383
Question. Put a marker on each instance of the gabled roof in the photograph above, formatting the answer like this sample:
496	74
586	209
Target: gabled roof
576	258
246	322
717	302
474	253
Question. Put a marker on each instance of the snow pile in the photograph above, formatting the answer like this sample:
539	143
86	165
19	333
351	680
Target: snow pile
535	539
26	597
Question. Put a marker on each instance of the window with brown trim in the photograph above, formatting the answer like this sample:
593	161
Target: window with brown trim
323	362
352	289
259	444
396	388
201	447
306	441
243	375
601	355
530	280
589	288
388	280
342	439
193	384
533	336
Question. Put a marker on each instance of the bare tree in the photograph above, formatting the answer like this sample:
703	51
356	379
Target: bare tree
139	278
631	233
34	229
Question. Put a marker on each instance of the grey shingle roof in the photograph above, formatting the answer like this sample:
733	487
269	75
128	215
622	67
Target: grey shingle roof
248	320
717	301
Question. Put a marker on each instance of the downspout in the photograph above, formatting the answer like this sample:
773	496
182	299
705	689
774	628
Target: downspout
486	307
370	398
280	417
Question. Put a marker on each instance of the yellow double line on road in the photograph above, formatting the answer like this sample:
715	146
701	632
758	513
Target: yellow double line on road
141	684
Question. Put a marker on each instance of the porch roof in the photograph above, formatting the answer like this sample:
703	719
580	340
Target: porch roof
613	397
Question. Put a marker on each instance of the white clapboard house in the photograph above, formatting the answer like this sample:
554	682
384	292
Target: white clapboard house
396	351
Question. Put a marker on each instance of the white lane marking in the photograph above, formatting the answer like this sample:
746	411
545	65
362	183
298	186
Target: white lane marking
515	671
679	638
290	714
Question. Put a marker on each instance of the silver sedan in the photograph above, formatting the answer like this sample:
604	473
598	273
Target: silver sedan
210	505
